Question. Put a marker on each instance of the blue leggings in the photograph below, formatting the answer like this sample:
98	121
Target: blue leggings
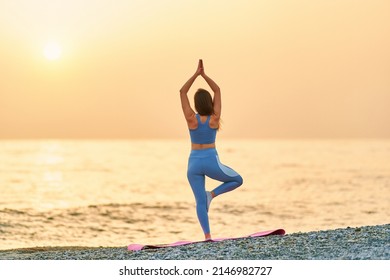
203	163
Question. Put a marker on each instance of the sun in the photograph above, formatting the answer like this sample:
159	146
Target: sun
52	51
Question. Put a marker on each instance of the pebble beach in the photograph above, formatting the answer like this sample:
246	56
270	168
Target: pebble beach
359	243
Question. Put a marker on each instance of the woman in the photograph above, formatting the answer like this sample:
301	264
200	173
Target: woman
203	160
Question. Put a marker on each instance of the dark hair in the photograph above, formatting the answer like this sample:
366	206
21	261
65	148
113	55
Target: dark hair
203	102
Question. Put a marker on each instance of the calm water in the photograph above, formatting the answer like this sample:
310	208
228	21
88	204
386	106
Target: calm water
112	193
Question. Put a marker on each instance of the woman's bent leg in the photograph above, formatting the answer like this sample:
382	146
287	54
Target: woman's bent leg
230	178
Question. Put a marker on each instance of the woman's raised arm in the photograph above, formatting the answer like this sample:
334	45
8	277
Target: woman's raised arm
185	103
217	103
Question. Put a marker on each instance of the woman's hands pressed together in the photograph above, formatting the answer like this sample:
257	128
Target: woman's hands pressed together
200	70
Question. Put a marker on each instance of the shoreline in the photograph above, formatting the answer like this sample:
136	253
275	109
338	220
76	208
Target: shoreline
360	243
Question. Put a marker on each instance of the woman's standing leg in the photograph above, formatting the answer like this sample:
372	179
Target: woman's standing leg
197	182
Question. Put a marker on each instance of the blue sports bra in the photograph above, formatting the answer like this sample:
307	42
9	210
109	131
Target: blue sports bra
203	134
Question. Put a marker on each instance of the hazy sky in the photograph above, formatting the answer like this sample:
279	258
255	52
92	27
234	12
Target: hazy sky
286	68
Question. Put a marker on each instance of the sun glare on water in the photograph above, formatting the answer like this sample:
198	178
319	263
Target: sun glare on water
52	51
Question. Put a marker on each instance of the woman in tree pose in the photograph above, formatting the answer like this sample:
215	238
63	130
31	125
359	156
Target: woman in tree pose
203	160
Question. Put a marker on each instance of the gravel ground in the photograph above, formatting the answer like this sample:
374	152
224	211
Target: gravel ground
361	243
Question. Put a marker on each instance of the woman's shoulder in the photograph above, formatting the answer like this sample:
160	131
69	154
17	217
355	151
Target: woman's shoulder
215	117
214	121
192	122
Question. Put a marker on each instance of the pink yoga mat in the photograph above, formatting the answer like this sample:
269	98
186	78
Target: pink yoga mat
138	247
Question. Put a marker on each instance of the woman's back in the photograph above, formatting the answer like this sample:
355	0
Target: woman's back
203	133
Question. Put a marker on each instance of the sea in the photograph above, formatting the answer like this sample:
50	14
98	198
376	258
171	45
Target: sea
91	193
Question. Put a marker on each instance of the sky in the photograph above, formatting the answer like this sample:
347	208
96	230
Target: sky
286	69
